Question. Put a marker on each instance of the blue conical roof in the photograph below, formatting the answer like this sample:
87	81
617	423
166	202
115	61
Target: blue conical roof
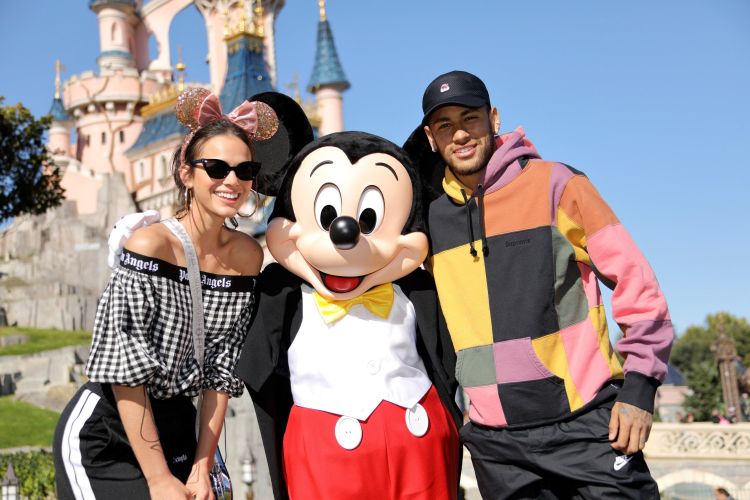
246	72
327	70
159	127
58	111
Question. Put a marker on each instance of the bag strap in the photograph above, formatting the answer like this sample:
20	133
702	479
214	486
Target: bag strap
196	294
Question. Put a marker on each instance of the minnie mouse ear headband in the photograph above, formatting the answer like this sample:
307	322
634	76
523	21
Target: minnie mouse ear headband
430	165
197	107
274	151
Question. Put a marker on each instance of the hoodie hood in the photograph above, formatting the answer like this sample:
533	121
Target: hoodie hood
501	169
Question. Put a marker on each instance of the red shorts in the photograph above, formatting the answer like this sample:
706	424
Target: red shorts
389	463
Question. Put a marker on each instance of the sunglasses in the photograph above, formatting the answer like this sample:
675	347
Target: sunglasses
219	169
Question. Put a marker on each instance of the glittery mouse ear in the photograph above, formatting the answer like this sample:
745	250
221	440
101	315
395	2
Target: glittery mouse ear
189	105
283	129
268	121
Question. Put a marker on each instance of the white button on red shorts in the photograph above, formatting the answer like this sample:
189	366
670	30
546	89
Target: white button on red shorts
348	432
417	421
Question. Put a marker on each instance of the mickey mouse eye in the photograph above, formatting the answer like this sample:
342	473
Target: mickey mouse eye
370	210
327	205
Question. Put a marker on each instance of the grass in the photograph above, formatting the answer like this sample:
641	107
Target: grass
42	340
25	424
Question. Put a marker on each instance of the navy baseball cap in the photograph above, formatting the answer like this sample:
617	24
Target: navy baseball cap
455	87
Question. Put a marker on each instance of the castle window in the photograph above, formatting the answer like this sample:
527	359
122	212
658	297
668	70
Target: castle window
163	167
114	31
104	138
141	172
122	136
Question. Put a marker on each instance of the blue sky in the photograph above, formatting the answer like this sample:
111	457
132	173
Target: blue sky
650	99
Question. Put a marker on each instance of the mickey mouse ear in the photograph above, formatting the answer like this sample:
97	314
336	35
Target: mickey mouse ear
430	165
276	145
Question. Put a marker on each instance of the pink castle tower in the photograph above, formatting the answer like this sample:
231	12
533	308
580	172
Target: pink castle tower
106	106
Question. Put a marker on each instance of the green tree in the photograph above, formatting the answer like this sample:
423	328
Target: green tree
703	380
692	355
29	181
694	345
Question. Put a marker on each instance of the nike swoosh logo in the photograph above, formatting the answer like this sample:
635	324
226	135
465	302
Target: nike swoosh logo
622	460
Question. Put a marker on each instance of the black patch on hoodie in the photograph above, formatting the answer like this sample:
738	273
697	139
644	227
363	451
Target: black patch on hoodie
521	284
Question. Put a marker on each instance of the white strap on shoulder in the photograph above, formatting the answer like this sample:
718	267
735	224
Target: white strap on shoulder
196	293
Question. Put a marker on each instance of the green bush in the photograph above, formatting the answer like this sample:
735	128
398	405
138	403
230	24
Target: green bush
35	472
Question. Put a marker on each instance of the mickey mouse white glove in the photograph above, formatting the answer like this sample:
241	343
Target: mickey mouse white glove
124	229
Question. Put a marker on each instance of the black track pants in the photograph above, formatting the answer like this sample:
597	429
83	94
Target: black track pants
93	458
565	460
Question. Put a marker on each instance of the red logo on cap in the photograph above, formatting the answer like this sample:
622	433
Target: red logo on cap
445	87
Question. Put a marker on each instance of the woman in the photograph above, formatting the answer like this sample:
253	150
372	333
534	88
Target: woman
130	431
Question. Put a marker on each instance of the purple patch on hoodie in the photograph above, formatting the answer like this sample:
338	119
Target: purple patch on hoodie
503	167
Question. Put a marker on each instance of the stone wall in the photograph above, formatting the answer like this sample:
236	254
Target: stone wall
53	267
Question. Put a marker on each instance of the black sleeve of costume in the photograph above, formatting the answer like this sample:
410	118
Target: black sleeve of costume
433	341
263	365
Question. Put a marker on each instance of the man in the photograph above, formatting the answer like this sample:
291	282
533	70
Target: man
517	246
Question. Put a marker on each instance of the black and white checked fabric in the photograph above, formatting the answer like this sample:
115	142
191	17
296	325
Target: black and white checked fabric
143	335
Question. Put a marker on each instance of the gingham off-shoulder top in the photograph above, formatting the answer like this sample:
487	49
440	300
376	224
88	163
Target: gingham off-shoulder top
143	332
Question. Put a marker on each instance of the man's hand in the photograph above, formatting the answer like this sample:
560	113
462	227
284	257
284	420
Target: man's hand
629	428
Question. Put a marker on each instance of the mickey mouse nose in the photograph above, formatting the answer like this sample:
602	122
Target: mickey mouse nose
344	232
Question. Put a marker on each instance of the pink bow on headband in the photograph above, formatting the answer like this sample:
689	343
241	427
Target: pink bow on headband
244	115
197	107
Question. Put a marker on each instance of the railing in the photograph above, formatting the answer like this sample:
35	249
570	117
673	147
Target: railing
703	441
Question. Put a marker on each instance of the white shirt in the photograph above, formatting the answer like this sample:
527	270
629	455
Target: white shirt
349	366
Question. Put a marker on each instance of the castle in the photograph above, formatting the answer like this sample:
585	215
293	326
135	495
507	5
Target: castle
53	266
123	115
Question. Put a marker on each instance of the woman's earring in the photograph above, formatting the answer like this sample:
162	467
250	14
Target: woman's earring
233	220
188	198
255	208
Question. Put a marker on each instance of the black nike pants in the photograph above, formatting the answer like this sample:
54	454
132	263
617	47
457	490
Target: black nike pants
564	460
92	455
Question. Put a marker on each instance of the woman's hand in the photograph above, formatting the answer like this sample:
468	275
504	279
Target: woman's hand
199	484
168	487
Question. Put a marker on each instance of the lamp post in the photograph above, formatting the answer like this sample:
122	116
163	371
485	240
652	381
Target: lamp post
10	484
248	474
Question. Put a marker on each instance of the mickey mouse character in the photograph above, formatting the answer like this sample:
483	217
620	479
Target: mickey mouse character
348	360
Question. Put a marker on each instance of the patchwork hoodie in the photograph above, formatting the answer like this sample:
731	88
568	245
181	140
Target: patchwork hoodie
516	265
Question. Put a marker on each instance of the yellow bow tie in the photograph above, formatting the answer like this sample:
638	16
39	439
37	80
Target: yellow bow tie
378	300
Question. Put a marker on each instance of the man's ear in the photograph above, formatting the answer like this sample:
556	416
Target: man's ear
430	139
495	120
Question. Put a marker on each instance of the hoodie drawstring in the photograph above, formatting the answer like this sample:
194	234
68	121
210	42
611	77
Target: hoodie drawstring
472	250
480	199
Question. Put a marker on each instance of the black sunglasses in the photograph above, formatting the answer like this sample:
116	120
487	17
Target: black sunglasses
219	169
